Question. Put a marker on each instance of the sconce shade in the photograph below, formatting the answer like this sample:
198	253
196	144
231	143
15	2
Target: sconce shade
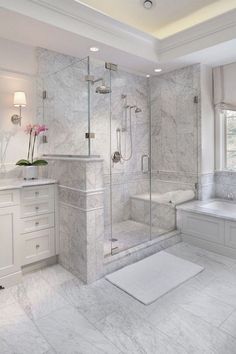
19	99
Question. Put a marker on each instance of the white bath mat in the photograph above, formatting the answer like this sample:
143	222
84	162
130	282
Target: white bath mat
153	276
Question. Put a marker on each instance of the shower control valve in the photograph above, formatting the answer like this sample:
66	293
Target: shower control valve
116	157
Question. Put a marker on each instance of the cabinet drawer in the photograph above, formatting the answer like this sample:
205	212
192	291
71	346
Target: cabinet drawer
204	227
37	194
9	197
40	207
36	223
38	245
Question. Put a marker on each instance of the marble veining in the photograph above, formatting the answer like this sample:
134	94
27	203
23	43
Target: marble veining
198	316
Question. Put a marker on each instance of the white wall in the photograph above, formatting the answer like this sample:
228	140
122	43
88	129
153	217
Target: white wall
18	67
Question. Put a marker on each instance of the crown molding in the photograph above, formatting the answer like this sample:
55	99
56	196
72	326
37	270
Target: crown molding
79	20
207	34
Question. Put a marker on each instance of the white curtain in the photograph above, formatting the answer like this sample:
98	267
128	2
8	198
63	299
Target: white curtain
225	87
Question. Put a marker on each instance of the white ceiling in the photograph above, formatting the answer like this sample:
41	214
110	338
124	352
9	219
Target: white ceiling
71	28
166	17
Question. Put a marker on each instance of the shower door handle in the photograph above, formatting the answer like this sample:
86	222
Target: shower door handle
143	157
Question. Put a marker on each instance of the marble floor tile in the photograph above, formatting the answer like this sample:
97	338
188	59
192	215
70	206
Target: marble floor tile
128	234
201	280
196	335
6	298
195	254
56	275
222	290
133	335
18	333
229	325
36	297
53	312
97	300
70	332
185	251
208	308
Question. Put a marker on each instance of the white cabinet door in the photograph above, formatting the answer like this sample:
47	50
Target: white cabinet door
203	227
38	245
10	243
230	234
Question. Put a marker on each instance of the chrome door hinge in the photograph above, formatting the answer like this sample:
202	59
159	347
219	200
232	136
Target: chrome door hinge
195	99
44	95
89	135
111	66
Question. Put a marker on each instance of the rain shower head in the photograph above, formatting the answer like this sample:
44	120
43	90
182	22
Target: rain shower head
103	89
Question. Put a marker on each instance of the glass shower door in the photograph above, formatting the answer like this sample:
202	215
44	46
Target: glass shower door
129	170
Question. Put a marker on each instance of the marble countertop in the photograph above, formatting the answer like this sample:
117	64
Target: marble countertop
21	183
219	208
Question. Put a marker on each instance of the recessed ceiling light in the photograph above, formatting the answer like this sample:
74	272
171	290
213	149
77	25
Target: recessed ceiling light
94	49
147	4
147	75
158	70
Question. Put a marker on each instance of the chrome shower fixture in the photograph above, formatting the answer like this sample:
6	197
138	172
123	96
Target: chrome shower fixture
102	89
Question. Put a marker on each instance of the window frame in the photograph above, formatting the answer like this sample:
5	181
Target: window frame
225	140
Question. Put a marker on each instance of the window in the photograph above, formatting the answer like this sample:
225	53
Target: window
230	139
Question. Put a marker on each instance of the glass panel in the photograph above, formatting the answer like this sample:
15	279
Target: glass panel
65	109
130	178
120	121
174	145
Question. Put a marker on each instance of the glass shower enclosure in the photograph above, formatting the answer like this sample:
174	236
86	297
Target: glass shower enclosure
139	127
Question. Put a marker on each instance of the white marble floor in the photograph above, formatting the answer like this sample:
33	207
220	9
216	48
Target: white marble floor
53	312
127	234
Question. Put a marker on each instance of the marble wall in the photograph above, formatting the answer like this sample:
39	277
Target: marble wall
65	111
225	184
81	215
175	129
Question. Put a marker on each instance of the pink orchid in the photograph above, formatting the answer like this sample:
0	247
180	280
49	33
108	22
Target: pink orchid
33	131
28	129
37	129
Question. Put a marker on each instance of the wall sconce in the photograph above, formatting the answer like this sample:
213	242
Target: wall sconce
19	101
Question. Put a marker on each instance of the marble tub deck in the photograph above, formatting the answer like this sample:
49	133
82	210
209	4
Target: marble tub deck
53	312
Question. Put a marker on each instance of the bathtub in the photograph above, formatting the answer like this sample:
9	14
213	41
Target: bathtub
209	224
163	212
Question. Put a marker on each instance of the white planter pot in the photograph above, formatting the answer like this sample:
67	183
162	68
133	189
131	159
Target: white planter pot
30	172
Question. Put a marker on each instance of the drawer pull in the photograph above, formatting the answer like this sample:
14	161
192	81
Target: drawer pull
37	246
36	223
37	208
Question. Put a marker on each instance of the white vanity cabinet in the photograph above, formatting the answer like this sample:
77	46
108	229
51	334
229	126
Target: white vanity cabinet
28	226
10	241
38	223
